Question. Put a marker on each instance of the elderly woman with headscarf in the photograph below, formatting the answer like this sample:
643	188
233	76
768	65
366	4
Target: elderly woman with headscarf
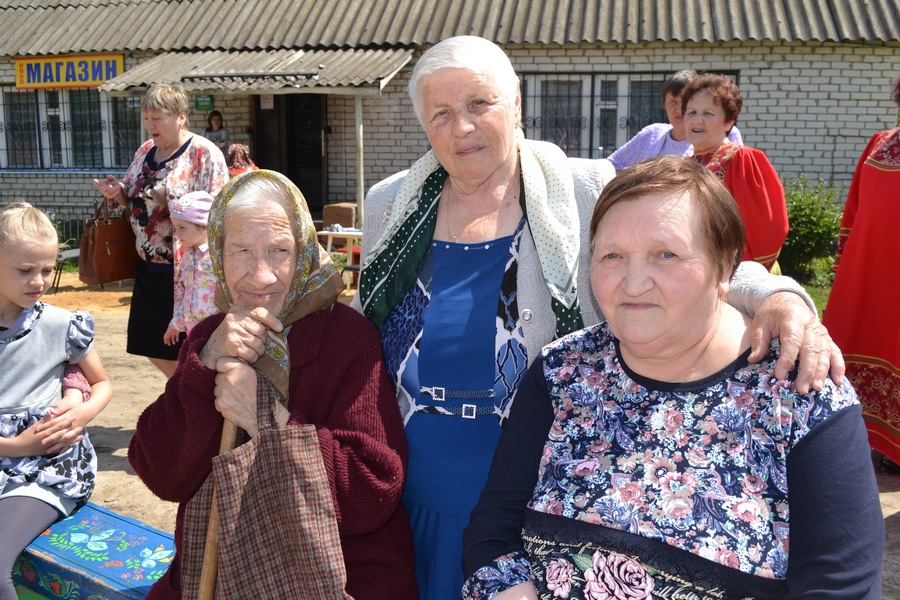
277	291
238	160
646	457
472	261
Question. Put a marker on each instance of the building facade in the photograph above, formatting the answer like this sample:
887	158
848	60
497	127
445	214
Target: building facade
809	104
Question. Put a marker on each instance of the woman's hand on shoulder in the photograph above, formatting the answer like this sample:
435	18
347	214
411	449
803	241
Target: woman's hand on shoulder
522	591
241	335
804	340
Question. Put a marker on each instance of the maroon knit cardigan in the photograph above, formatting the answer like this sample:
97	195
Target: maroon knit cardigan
337	383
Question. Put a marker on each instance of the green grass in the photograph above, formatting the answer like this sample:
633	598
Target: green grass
340	260
819	296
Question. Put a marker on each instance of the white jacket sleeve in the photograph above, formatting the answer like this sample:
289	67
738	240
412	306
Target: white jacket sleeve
751	284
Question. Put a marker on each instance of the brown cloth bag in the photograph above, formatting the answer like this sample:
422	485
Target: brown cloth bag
278	532
107	251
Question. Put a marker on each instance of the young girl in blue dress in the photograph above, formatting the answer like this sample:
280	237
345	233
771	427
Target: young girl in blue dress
47	463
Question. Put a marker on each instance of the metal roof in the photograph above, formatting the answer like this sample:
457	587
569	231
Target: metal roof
356	72
47	27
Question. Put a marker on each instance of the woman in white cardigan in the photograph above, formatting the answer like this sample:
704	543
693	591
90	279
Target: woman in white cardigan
472	261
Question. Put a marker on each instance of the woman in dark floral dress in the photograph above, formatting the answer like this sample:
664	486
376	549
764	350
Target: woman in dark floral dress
646	457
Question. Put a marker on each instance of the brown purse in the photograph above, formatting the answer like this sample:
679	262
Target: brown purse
107	251
277	526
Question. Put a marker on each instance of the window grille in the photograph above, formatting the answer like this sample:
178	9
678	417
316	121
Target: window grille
590	115
67	129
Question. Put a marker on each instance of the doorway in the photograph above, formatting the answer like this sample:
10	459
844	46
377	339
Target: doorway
290	139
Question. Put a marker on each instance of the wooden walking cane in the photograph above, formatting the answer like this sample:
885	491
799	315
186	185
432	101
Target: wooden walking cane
210	567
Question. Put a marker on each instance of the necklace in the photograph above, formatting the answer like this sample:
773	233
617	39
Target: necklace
480	220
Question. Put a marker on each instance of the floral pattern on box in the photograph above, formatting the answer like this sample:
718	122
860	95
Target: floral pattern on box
95	554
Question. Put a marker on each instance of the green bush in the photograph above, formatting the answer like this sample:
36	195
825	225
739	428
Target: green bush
814	213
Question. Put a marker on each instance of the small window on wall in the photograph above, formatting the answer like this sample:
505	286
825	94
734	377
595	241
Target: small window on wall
67	129
126	129
590	115
86	122
20	127
561	114
645	105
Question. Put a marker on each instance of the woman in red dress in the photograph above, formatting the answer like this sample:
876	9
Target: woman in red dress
862	315
711	105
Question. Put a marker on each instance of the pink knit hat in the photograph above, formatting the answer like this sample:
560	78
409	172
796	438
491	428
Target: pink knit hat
193	207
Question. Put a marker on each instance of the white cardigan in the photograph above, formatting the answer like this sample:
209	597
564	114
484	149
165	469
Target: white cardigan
749	286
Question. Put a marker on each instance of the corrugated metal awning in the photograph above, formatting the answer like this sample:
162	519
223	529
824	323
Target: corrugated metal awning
53	27
346	72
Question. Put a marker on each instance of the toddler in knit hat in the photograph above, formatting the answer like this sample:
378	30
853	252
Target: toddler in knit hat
191	208
195	283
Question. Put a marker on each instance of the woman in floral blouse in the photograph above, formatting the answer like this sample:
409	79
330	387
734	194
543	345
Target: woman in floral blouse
167	166
645	457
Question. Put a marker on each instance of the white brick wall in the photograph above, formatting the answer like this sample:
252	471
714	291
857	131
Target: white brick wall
811	107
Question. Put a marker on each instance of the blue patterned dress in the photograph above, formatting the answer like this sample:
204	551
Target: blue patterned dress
33	353
435	339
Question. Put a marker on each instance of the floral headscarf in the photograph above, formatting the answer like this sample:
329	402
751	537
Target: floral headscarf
238	159
316	284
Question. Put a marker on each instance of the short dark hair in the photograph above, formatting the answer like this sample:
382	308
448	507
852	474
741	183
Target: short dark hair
676	83
725	92
895	91
721	222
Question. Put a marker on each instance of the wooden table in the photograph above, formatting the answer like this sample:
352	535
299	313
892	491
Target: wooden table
349	236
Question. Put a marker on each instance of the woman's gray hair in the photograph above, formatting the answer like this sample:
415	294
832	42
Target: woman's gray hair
249	194
469	52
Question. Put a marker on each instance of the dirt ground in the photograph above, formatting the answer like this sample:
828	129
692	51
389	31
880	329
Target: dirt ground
136	384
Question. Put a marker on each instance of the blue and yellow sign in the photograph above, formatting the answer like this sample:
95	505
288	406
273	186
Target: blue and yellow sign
81	70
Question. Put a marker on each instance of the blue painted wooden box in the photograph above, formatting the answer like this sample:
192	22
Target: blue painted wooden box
95	554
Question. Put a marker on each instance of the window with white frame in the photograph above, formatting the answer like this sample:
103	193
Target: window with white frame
67	129
590	115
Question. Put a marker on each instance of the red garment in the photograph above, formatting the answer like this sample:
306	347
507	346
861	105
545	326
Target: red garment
756	187
863	312
338	383
238	160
